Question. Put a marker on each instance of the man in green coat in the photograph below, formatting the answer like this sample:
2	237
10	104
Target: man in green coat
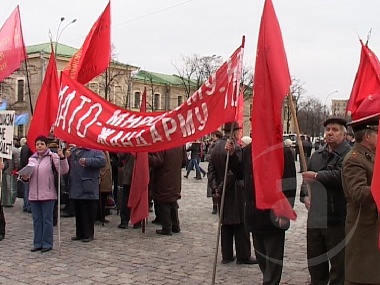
362	264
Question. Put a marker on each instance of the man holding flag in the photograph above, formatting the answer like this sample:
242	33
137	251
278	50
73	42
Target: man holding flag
362	222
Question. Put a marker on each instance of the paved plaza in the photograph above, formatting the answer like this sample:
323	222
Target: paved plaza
128	256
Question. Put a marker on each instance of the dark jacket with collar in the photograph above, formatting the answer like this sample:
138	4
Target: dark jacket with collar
328	203
262	221
233	210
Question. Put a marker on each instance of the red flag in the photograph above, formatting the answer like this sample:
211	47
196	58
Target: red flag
367	81
240	109
239	116
47	104
12	47
375	184
271	84
138	197
94	55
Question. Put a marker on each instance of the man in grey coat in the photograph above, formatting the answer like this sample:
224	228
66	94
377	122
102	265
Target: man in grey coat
85	167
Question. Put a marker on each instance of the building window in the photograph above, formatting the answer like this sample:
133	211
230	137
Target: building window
137	100
157	101
94	87
20	131
180	100
20	90
117	94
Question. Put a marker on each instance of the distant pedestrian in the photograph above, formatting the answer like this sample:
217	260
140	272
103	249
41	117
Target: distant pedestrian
195	148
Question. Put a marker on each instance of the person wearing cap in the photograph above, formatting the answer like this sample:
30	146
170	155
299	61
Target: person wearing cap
362	221
323	195
232	219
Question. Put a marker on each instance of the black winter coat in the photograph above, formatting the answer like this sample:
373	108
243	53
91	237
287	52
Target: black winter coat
328	202
166	174
256	220
233	211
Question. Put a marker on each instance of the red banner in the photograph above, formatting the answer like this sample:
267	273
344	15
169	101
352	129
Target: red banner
12	48
87	120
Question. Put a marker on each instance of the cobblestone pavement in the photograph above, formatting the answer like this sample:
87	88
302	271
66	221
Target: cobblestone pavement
127	256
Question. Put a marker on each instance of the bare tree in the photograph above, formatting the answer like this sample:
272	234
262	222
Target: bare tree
311	116
112	75
296	90
196	69
246	82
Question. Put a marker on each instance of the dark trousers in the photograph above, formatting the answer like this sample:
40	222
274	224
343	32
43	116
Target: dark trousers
168	215
326	247
242	242
269	251
85	215
2	221
125	211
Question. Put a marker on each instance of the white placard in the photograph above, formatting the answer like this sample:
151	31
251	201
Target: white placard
7	120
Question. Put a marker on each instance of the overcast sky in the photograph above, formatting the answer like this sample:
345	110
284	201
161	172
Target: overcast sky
320	36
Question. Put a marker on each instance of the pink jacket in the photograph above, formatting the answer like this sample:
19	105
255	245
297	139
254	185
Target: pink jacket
41	183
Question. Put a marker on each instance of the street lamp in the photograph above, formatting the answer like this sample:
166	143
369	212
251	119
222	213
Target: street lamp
59	32
328	95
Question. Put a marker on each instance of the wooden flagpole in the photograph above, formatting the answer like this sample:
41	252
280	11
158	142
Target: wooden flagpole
300	147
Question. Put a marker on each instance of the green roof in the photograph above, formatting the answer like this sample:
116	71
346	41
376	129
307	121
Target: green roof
160	78
62	50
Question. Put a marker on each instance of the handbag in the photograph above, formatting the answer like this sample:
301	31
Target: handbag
20	189
110	202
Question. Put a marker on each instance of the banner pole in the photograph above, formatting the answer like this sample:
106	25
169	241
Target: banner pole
299	143
220	220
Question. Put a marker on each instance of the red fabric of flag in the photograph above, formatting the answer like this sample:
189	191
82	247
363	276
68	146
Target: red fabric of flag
138	197
47	104
271	85
95	54
375	185
367	81
12	47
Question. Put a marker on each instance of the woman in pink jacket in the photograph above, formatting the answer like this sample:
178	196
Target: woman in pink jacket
43	193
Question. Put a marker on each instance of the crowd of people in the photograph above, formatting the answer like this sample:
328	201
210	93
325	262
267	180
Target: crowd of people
343	220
